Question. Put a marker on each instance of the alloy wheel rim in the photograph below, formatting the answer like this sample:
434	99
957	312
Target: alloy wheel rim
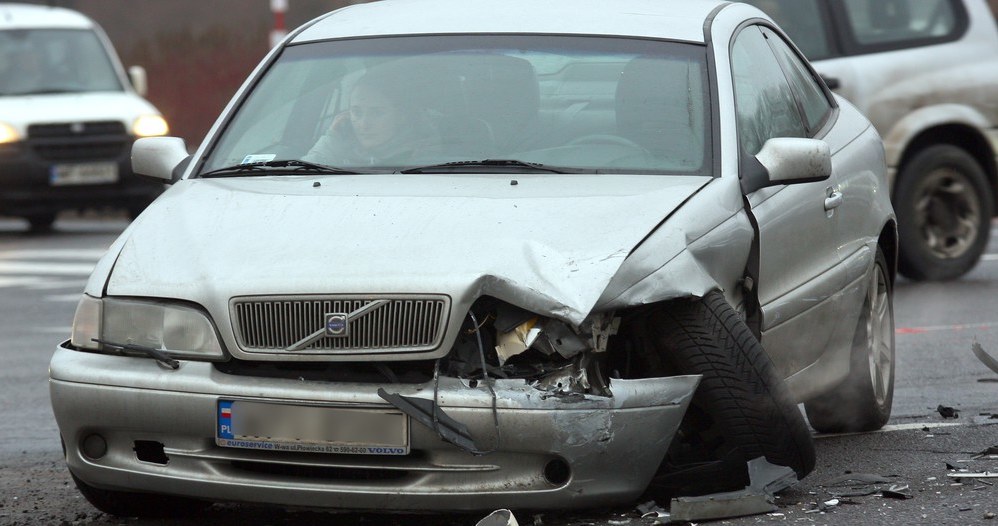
948	213
880	332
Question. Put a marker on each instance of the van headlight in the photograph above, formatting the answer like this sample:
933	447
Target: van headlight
150	126
178	330
8	133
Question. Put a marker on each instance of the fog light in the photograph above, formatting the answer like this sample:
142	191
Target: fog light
557	472
93	447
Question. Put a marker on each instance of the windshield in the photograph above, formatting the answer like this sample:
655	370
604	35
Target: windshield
36	61
608	105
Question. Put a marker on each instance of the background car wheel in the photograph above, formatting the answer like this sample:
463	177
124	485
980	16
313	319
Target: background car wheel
863	401
742	409
129	504
41	222
944	205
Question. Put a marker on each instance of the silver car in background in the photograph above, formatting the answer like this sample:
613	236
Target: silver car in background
611	243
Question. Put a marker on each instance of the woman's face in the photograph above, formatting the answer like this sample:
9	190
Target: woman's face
375	118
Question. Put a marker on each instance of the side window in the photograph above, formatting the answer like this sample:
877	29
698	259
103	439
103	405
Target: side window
897	23
812	98
765	105
804	21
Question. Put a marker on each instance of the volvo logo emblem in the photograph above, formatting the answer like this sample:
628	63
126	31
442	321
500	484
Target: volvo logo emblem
337	325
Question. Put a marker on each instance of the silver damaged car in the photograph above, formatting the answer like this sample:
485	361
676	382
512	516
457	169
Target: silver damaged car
451	255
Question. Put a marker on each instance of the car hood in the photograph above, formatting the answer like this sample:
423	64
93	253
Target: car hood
546	243
24	110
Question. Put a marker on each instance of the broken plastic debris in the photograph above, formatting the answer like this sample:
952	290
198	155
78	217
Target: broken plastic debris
947	412
984	357
651	510
499	518
765	480
896	492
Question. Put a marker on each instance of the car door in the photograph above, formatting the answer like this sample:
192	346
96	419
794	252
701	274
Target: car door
798	241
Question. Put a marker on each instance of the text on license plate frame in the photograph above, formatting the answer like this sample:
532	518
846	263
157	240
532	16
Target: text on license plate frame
270	426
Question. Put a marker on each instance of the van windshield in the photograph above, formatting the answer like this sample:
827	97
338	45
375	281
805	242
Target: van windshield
40	61
482	103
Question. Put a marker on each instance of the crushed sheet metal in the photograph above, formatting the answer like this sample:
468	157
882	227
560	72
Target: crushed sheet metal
499	518
765	479
984	357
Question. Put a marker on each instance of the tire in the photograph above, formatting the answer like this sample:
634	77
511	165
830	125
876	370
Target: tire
41	222
944	205
862	402
742	409
143	505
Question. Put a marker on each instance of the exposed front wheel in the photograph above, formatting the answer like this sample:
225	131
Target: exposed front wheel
863	401
944	205
742	409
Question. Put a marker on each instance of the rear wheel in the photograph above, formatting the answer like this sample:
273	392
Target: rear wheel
944	205
863	401
742	409
130	504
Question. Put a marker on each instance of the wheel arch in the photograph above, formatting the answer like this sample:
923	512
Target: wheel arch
889	244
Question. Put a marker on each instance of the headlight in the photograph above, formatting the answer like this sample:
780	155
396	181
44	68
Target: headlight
178	330
8	133
150	126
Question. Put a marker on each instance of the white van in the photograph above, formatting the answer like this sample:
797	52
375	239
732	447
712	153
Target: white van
68	116
925	72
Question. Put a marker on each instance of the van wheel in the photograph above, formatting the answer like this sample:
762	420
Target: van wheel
944	206
742	409
863	401
41	222
143	505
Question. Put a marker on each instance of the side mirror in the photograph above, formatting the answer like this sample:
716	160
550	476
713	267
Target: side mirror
137	76
790	160
161	158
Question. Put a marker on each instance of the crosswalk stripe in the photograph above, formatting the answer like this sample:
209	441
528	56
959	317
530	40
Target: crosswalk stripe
46	269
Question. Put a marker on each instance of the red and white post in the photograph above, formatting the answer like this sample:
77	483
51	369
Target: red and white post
279	8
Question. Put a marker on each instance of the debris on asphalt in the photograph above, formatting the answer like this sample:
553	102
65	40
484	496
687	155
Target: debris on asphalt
757	498
989	515
984	357
947	412
651	510
897	491
973	475
499	518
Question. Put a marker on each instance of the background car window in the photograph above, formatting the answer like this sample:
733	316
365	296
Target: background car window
766	108
811	96
803	21
895	21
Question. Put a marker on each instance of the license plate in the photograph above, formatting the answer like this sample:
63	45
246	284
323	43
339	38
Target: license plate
311	429
83	173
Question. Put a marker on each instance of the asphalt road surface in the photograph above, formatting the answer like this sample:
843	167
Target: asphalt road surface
42	275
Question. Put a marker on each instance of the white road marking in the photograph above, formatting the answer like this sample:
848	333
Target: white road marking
72	298
46	269
54	253
896	427
954	327
989	257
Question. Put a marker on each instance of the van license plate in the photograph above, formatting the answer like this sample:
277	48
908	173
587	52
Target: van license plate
311	429
83	173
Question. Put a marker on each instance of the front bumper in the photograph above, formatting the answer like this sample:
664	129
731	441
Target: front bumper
611	446
26	189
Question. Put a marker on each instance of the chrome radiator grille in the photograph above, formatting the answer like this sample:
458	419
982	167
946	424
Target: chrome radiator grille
404	324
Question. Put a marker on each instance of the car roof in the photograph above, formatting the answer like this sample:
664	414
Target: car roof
26	16
666	19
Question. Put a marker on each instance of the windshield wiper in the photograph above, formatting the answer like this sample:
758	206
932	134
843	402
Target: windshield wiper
490	165
270	167
155	354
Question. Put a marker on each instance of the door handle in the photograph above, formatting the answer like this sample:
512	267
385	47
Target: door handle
833	201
